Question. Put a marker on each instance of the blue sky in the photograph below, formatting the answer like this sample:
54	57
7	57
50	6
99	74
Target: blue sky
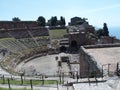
97	11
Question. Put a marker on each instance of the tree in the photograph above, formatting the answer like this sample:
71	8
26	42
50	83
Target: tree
54	21
16	19
48	23
59	23
62	20
102	32
105	30
41	21
99	33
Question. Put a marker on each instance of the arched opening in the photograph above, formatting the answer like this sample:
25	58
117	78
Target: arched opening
73	46
63	49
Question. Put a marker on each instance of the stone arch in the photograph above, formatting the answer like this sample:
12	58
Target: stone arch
73	46
63	49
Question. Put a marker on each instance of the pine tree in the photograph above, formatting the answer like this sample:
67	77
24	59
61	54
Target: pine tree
105	30
62	19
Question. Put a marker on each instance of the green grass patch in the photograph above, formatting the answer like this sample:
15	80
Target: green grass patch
13	89
57	33
27	82
6	39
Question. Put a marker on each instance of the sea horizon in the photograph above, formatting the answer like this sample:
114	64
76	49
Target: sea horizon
115	32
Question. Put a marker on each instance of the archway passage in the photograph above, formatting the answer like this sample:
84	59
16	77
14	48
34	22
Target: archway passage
73	46
63	49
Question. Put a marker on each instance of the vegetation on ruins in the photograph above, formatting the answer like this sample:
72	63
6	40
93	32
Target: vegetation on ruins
62	21
99	33
41	21
102	32
52	21
55	22
105	30
16	19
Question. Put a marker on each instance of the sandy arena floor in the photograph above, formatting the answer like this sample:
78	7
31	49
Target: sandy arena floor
46	65
41	65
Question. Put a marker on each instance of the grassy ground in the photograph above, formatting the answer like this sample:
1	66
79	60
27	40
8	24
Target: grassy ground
13	89
57	33
27	82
